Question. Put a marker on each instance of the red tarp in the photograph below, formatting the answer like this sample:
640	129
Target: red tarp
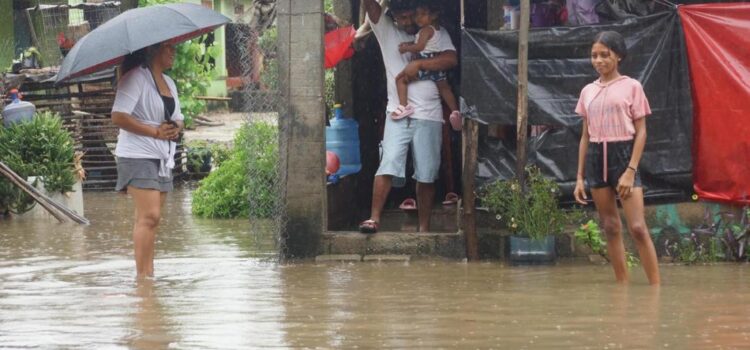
339	45
718	45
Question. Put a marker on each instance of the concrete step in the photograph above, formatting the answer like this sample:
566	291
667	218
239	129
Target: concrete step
444	219
428	244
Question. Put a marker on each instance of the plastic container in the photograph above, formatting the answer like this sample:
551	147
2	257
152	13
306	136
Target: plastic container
342	138
507	15
17	111
526	251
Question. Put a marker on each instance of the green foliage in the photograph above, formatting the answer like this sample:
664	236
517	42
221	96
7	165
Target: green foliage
722	236
330	91
219	153
328	6
192	70
534	211
198	155
248	175
40	147
692	250
7	50
590	234
269	76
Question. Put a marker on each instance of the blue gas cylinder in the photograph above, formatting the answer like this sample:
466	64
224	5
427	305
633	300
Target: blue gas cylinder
17	110
342	138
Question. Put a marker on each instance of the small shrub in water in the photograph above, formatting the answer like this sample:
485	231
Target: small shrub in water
228	191
591	236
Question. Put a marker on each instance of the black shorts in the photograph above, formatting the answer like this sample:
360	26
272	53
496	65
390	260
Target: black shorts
618	158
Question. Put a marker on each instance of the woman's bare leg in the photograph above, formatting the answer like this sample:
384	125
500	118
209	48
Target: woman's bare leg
609	217
148	214
633	208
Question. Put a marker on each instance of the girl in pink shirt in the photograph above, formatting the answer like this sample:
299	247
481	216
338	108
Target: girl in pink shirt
614	134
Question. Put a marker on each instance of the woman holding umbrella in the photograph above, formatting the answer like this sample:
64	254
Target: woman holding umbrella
146	106
147	110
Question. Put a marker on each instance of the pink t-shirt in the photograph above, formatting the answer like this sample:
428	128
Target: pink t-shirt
611	108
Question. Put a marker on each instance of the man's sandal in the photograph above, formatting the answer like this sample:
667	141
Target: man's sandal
368	226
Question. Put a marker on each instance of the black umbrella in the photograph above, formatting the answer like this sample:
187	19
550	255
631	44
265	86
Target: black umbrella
133	30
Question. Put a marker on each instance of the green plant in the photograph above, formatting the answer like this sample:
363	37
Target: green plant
328	6
219	153
198	156
269	76
248	175
192	70
590	234
40	147
533	211
7	49
696	249
330	90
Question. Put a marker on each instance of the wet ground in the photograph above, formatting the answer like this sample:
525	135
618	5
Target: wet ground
218	286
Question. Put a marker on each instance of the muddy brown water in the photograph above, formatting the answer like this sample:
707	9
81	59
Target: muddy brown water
218	286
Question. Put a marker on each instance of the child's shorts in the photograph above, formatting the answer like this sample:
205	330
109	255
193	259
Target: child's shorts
431	75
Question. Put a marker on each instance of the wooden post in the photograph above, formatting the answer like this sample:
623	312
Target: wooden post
523	92
470	139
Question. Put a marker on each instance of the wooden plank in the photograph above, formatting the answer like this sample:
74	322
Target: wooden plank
523	95
213	98
31	191
470	140
108	93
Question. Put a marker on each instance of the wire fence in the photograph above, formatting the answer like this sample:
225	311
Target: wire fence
252	53
56	25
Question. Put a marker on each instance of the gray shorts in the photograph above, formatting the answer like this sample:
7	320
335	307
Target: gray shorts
141	173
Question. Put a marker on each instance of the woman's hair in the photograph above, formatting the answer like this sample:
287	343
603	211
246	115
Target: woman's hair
612	40
140	58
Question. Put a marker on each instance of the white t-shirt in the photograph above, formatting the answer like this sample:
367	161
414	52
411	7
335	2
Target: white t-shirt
138	96
423	94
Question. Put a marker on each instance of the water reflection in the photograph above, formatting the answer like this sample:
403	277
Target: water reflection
217	286
152	329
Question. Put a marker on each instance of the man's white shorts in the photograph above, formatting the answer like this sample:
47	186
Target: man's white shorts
425	137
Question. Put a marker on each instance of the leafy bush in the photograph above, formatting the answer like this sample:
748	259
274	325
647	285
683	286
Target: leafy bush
533	211
192	70
219	153
228	191
40	147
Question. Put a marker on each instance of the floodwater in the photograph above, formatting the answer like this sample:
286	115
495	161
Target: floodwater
218	286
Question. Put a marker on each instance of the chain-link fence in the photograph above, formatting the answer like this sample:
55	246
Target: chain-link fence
252	54
56	25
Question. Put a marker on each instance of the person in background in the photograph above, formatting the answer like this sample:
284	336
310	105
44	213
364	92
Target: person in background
423	129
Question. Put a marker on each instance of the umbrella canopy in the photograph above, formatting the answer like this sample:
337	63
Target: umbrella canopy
133	30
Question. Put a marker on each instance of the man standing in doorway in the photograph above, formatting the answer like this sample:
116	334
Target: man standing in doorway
423	129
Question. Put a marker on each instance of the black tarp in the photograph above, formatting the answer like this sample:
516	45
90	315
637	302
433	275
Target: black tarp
559	67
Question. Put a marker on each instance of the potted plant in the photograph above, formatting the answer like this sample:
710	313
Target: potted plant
532	214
